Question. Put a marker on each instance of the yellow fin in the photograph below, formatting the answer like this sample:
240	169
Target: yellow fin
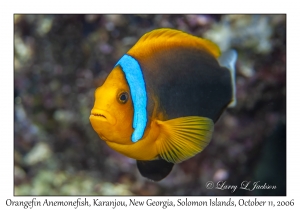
184	137
166	38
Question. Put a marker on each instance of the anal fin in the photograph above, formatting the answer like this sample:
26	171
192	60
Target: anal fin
154	170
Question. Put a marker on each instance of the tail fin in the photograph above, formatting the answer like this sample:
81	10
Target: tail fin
228	60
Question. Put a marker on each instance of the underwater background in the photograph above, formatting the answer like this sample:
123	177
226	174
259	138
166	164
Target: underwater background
59	61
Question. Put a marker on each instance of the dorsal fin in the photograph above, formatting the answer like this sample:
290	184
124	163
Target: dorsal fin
162	39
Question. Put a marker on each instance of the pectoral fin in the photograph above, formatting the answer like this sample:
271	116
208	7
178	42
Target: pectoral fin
184	137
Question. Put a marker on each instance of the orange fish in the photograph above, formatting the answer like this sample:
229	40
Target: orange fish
161	100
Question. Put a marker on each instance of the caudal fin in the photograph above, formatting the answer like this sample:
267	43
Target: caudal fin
228	60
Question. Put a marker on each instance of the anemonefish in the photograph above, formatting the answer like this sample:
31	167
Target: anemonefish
159	103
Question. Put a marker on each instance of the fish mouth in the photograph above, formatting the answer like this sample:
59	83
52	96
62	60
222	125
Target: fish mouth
102	115
98	115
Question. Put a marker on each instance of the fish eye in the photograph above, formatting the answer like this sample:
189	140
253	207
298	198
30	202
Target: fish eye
123	97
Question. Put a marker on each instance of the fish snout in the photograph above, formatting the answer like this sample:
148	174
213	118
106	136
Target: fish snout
102	115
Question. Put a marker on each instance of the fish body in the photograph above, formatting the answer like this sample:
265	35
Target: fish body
161	100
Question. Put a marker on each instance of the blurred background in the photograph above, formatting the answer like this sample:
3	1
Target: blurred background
59	61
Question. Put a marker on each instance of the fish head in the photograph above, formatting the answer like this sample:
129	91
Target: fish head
112	114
